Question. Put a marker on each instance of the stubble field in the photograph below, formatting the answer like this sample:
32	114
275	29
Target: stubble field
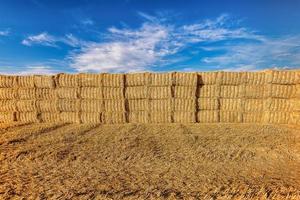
144	161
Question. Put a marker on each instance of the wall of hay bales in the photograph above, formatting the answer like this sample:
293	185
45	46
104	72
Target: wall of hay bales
204	97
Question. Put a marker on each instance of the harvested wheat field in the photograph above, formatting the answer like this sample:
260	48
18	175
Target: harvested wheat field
147	161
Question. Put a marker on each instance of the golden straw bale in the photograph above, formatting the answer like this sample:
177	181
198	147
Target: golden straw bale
208	91
46	93
278	105
90	80
92	105
25	81
114	117
138	104
208	116
138	79
139	92
256	91
113	93
295	104
162	92
27	117
26	93
231	116
90	117
232	78
47	105
184	117
7	116
208	78
252	117
138	117
49	117
184	104
26	105
91	93
185	92
160	105
231	91
256	78
185	79
254	105
208	104
297	91
67	80
294	118
8	105
277	117
283	91
69	117
231	104
160	79
67	93
113	80
114	105
7	81
44	81
8	93
68	105
284	77
160	117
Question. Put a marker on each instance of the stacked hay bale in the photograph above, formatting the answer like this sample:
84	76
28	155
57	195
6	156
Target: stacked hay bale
8	96
295	115
137	99
208	95
184	98
114	98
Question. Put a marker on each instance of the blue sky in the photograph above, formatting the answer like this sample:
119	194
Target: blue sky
53	36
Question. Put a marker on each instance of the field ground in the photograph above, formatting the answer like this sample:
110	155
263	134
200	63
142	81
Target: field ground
166	161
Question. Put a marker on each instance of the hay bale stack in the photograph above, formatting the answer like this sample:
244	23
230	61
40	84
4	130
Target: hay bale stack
138	117
160	117
49	117
8	81
92	105
138	79
208	116
160	79
208	104
27	117
90	80
7	117
184	117
136	92
208	78
69	117
90	117
114	117
91	93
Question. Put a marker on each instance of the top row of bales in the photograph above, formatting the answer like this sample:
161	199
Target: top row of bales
151	79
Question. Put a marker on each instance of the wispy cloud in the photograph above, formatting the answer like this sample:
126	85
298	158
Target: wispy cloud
30	70
5	32
88	22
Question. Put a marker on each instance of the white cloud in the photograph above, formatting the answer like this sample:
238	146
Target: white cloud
4	33
30	70
87	22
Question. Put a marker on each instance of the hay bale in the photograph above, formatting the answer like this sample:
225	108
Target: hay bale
67	80
162	92
295	104
205	91
26	105
254	105
185	79
160	79
160	105
45	93
184	104
256	91
284	77
256	78
138	117
139	92
277	117
114	105
208	104
231	104
25	93
8	93
231	91
8	105
231	117
44	81
252	117
49	117
185	92
114	117
295	118
184	117
25	81
138	105
68	93
138	79
47	105
7	117
207	116
113	80
208	78
160	117
232	78
92	105
69	117
8	81
297	91
113	93
68	105
90	117
90	80
283	105
27	117
283	91
91	93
